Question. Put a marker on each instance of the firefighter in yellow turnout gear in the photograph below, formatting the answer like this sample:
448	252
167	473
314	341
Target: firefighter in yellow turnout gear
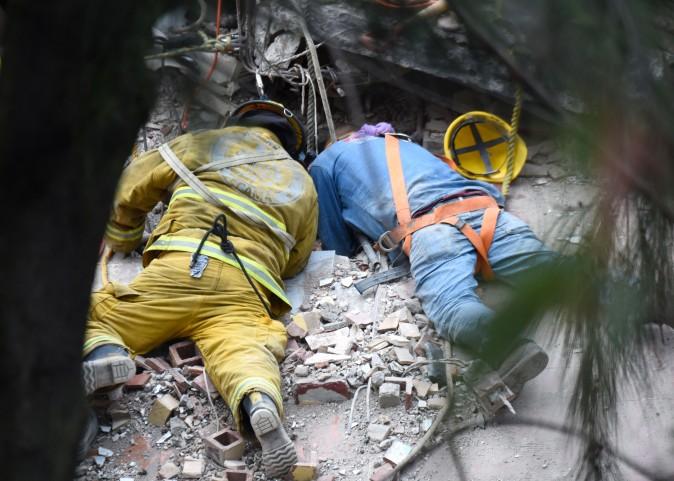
202	293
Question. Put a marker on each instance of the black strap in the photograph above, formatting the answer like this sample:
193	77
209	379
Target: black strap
381	277
219	228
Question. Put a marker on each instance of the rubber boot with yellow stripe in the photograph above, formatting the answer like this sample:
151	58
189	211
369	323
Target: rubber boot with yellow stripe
278	451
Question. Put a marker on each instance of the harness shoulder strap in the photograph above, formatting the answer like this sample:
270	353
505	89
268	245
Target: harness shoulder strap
395	172
398	188
199	187
187	176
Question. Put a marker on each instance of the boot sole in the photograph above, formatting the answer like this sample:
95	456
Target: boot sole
529	361
106	372
278	451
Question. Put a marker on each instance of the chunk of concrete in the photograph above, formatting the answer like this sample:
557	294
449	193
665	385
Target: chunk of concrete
378	432
317	341
358	319
389	395
323	357
409	330
403	355
168	471
162	409
193	468
397	452
389	323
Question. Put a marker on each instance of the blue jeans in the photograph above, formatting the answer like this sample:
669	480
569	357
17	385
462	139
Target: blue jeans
443	265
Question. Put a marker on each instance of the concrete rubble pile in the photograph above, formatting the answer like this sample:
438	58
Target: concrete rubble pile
341	344
169	422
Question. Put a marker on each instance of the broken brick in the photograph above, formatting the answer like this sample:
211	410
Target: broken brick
141	362
308	391
297	328
382	473
305	469
194	371
204	382
138	382
162	409
157	364
185	353
408	394
179	381
224	445
237	475
422	388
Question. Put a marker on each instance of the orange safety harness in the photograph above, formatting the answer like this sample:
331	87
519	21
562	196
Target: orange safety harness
444	214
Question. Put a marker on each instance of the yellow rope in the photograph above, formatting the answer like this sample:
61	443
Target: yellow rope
512	137
105	257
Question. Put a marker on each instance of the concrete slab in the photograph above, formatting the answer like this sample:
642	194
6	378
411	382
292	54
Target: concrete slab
510	452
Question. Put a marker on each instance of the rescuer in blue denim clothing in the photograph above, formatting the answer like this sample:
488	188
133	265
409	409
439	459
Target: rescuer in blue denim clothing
355	195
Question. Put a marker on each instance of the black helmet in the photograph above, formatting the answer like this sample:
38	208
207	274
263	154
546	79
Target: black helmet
275	117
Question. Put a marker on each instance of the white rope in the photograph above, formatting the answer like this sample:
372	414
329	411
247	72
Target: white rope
319	81
214	413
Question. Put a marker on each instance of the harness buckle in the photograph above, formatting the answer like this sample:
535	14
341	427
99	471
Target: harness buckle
386	243
459	224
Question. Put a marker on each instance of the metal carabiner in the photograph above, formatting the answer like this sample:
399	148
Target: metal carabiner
386	244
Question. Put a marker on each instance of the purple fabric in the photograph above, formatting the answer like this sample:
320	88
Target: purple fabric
375	130
369	130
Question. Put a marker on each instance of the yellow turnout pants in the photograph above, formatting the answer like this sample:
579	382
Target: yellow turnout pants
240	344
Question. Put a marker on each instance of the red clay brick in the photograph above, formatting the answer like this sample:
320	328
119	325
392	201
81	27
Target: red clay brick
158	364
138	382
223	445
185	353
382	473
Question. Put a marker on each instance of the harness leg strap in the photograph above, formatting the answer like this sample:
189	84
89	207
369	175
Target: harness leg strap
487	230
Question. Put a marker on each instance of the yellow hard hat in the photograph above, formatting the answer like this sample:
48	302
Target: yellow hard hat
477	145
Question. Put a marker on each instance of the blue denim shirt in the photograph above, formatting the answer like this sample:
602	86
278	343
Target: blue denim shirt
354	190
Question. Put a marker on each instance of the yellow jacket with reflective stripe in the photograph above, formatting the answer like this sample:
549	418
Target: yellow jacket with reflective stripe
277	192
